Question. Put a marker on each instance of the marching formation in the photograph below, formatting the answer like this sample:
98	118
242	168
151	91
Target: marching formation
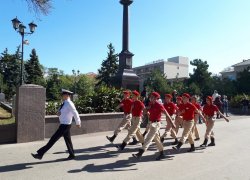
184	113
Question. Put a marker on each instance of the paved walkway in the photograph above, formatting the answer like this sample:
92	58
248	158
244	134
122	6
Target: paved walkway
97	159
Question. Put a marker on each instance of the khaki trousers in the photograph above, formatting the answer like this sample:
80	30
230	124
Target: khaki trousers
210	120
169	130
187	132
153	134
125	123
135	130
178	122
195	130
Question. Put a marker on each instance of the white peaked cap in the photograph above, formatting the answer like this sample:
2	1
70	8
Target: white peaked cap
64	91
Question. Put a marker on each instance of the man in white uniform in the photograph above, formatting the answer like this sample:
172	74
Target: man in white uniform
65	113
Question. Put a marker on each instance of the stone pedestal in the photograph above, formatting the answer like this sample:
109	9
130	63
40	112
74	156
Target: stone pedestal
2	97
30	113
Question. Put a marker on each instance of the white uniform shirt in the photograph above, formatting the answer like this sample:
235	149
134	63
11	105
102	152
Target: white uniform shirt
67	112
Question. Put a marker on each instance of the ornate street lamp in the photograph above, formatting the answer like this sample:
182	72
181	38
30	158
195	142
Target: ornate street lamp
21	31
76	74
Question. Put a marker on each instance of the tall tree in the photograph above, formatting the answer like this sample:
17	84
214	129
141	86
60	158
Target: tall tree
34	70
54	85
12	72
201	77
109	66
156	81
243	81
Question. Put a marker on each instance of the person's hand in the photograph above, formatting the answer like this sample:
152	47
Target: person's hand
149	107
227	120
78	126
58	114
183	111
132	106
203	120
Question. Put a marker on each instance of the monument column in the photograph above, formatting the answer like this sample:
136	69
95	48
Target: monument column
125	77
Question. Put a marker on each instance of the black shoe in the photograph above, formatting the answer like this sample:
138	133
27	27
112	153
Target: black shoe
121	147
111	139
162	140
192	149
36	156
177	148
144	134
204	143
212	142
139	154
197	139
69	158
161	156
175	142
134	142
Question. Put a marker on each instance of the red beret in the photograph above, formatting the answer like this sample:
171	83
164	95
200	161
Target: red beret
180	98
136	93
186	95
126	92
210	98
155	94
168	95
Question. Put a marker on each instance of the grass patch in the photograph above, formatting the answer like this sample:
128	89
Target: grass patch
5	117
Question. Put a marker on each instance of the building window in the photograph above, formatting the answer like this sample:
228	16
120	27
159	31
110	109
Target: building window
178	67
177	74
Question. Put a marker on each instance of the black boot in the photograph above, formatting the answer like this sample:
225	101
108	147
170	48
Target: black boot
175	142
36	156
204	143
212	142
197	139
162	140
139	154
161	156
121	147
111	139
134	142
192	149
144	134
177	148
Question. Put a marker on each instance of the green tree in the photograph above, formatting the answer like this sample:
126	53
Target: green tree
34	70
54	85
178	85
85	84
201	77
11	75
243	81
109	66
157	81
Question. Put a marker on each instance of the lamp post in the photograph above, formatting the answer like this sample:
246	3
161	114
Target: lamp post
76	74
21	28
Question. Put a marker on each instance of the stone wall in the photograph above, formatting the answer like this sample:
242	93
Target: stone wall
8	133
91	123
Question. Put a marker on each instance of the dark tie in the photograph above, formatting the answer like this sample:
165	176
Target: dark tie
61	107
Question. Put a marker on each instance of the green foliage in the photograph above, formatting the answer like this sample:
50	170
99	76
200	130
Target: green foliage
34	70
102	100
243	81
109	66
235	101
157	81
201	77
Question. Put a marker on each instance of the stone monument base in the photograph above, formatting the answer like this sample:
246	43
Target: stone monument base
127	80
30	113
74	97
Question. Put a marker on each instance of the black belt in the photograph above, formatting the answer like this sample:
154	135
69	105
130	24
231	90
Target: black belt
155	121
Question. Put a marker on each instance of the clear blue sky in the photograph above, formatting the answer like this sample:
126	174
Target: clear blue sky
76	33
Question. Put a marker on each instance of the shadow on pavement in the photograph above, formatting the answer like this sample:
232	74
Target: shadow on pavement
22	166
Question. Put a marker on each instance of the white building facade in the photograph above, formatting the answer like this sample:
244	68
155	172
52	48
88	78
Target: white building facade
172	68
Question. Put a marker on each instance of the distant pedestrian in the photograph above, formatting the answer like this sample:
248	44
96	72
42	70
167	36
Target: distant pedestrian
245	103
159	100
215	95
218	103
225	105
144	93
65	113
201	104
174	95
